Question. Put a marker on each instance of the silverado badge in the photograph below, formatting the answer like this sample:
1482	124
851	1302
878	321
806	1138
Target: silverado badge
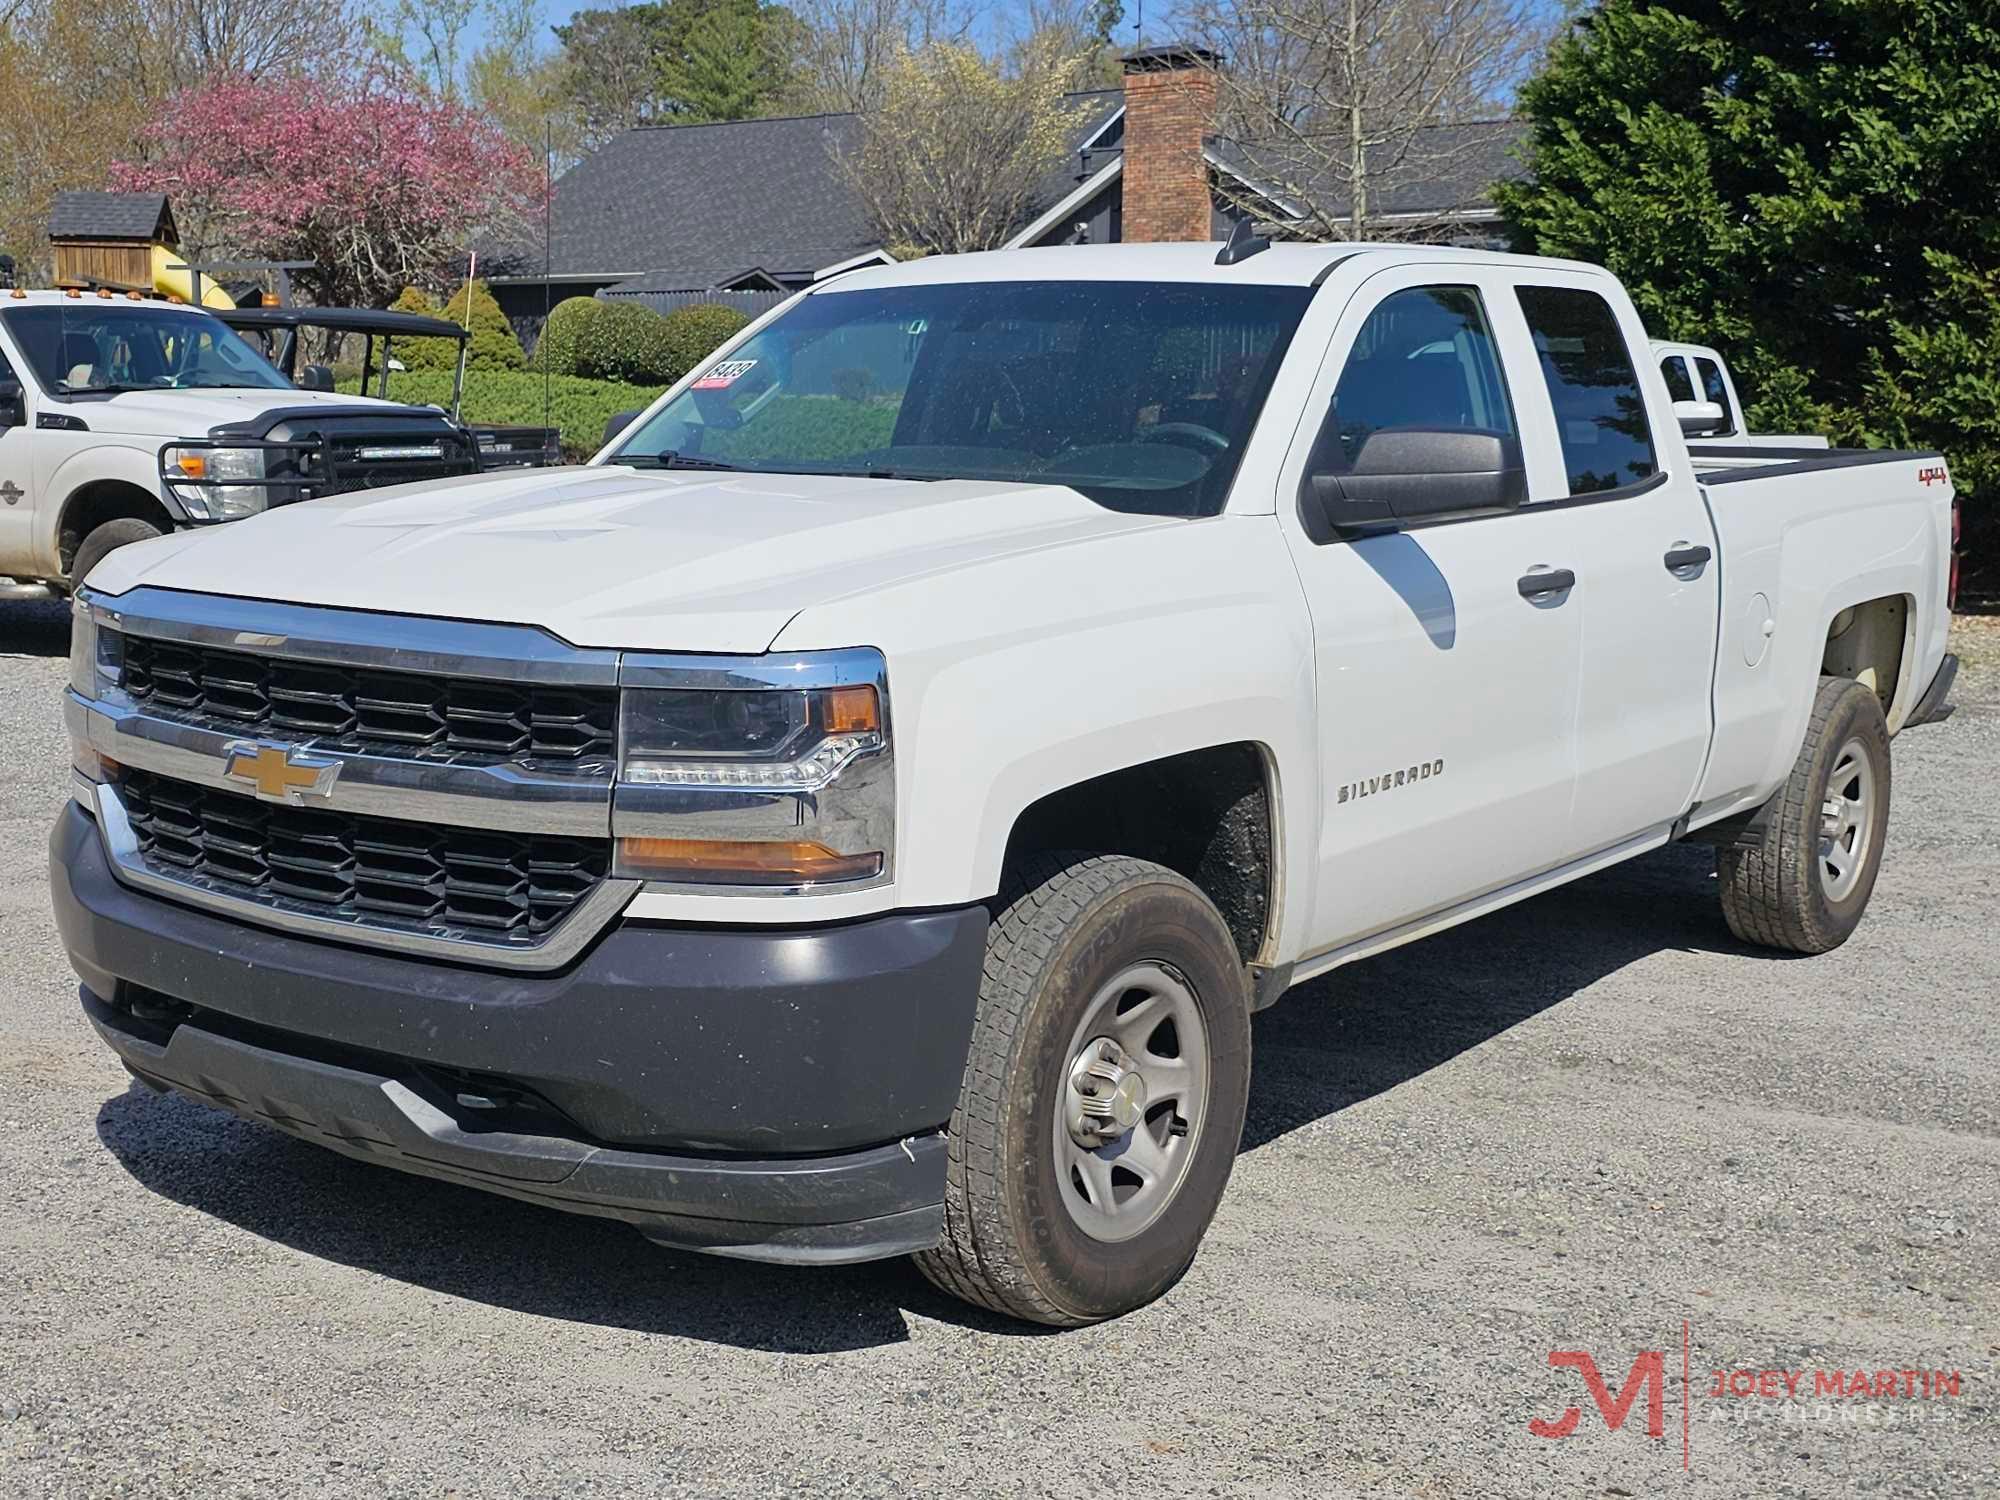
280	773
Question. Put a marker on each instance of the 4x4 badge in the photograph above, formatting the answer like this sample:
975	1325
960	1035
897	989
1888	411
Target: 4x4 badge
280	773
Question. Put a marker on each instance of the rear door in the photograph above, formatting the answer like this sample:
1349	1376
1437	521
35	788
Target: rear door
1446	685
1643	548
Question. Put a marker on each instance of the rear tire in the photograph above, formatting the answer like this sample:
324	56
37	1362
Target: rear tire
106	538
1056	1211
1804	887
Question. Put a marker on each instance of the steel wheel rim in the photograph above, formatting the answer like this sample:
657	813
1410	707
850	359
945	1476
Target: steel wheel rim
1847	821
1116	1186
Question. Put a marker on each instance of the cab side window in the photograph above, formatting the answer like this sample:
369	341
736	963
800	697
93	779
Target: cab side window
1712	386
1424	359
1600	415
1675	369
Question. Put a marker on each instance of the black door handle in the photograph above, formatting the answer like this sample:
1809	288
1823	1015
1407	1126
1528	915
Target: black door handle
1534	585
1687	557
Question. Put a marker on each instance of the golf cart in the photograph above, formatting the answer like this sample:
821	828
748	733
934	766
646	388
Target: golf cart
279	327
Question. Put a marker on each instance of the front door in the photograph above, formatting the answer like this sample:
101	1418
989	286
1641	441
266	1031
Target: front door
17	479
1446	665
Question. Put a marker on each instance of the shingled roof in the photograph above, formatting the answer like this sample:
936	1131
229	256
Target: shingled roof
112	216
736	194
1449	171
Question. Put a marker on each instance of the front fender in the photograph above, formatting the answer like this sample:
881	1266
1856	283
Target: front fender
117	460
1014	679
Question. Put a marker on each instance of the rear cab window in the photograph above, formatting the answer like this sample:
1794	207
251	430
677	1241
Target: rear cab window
1607	442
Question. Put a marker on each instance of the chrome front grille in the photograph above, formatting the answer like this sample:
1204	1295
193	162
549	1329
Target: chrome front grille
460	801
421	877
388	712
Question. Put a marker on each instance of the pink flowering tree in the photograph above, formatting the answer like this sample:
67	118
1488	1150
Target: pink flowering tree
379	187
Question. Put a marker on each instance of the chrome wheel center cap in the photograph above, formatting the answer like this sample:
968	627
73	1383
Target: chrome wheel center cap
1107	1094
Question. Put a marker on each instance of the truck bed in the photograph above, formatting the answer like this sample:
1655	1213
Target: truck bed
1727	463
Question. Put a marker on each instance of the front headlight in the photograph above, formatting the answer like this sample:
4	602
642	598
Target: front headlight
96	672
199	475
758	783
96	655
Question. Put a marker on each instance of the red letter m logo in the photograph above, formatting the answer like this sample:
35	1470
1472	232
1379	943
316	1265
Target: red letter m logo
1649	1369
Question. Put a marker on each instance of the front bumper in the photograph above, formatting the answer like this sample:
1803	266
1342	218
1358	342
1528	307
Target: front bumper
773	1094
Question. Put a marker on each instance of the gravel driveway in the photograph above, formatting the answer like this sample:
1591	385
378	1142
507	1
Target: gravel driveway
1576	1125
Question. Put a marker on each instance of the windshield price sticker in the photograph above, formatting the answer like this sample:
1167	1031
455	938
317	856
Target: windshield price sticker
724	375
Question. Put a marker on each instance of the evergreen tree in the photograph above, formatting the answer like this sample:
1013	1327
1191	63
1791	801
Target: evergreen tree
1814	186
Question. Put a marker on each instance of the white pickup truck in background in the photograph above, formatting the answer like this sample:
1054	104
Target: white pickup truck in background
123	417
859	813
1703	390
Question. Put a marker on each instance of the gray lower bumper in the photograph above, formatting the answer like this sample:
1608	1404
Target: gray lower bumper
858	1206
778	1094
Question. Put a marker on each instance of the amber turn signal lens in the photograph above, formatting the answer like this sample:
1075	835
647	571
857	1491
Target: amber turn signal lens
852	710
733	862
191	464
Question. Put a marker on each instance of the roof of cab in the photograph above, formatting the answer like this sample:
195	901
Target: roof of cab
1280	265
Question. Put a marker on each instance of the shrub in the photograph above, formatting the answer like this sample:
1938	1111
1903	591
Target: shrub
627	341
696	331
494	346
420	354
579	408
557	347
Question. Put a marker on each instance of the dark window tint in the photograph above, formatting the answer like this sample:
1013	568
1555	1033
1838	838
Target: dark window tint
1424	358
1679	387
1600	415
1712	386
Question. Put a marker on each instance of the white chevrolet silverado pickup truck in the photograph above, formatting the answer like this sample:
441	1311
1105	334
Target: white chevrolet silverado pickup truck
1703	389
123	418
858	814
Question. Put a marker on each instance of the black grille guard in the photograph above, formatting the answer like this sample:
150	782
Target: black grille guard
318	466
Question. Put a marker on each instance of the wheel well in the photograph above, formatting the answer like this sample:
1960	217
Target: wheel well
1205	814
105	500
1865	642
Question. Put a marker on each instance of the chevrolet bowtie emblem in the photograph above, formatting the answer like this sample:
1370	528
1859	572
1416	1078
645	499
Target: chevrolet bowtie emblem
280	773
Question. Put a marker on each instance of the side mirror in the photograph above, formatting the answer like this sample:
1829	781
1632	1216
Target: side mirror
315	378
13	411
1406	476
1700	418
616	423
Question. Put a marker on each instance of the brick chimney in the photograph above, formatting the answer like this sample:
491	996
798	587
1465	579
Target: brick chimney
1169	107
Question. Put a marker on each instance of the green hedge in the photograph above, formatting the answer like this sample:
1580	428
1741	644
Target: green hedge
697	331
579	407
628	341
561	335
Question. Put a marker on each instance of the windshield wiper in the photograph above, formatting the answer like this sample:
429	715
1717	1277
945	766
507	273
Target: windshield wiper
673	460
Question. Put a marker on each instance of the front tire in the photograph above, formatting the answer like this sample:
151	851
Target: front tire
1104	1093
104	539
1804	887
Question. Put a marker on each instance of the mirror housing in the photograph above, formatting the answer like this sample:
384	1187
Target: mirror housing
616	423
1413	476
1701	418
315	378
13	408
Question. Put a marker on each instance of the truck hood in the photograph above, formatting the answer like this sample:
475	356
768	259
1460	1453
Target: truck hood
191	413
617	557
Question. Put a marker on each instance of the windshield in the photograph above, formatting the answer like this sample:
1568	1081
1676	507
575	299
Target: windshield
1140	395
92	347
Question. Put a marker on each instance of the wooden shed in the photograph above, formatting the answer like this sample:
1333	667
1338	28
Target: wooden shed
107	239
